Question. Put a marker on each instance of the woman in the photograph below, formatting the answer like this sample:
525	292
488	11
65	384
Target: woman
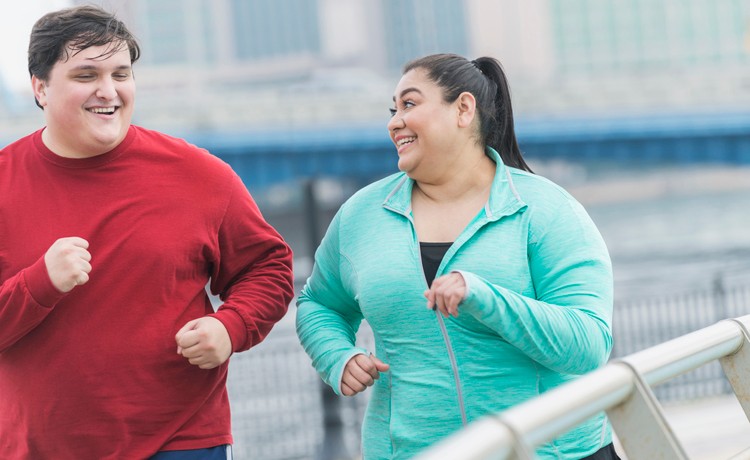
485	285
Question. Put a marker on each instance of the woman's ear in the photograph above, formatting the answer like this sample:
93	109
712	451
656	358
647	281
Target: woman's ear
467	105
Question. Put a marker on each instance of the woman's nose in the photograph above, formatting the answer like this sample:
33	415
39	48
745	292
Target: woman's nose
395	122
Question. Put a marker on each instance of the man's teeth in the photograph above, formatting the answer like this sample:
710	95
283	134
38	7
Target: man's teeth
103	110
406	140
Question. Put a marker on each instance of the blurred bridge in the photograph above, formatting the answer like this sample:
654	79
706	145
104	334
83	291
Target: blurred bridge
364	152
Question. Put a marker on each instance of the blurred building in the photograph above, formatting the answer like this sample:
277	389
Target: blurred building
228	65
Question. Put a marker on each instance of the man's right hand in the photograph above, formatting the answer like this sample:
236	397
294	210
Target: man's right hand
67	262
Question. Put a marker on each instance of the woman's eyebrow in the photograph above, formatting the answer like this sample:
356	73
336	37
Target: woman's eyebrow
407	90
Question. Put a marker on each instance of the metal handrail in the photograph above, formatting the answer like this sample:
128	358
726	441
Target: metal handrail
621	388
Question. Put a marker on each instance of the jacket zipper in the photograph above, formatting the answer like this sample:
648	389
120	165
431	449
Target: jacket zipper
446	339
454	367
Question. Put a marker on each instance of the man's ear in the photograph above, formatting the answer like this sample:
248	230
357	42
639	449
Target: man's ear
467	106
39	87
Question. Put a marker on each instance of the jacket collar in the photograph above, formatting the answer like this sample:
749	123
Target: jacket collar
504	198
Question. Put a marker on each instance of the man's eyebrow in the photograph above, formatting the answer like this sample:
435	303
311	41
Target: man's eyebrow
83	67
93	67
407	90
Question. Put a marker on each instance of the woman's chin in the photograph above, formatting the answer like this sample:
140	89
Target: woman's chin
404	165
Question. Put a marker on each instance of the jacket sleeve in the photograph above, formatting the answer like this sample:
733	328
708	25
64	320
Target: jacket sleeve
26	299
328	316
252	273
567	326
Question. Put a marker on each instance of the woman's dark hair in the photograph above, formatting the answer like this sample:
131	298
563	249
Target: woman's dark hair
485	80
74	29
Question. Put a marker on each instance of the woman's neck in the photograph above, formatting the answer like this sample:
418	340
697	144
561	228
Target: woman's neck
461	181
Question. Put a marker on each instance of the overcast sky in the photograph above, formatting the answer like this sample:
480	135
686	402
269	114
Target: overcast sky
16	20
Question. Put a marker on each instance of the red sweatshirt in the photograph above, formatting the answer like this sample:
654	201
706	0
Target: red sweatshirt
94	373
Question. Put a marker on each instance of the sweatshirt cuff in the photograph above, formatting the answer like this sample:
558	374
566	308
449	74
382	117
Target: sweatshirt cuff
235	326
40	286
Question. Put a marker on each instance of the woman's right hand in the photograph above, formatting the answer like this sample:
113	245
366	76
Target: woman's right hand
361	372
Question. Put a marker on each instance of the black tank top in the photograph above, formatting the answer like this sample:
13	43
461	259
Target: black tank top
432	255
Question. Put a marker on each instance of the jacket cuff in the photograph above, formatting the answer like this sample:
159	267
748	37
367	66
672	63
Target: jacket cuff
470	303
40	285
338	375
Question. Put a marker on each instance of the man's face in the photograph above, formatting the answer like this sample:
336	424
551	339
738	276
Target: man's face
88	101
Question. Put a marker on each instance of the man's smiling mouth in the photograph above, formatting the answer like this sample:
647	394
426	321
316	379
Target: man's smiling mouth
104	110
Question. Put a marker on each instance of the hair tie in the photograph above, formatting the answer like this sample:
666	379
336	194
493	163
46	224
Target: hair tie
476	65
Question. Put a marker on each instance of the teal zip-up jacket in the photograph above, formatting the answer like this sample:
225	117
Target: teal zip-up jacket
536	314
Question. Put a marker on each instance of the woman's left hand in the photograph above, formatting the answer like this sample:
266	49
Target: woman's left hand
446	293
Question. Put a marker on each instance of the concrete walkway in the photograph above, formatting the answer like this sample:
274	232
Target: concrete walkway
709	428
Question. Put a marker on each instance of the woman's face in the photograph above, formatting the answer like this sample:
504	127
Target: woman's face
424	128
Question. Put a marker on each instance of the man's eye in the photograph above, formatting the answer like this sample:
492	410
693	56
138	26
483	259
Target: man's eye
393	112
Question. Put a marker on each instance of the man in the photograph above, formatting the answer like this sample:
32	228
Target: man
109	233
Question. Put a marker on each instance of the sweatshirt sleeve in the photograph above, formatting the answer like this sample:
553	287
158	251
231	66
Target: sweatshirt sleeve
253	272
328	316
26	299
567	326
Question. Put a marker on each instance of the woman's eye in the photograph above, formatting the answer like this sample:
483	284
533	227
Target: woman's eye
404	105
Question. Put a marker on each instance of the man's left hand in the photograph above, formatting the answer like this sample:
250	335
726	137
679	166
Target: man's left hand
204	342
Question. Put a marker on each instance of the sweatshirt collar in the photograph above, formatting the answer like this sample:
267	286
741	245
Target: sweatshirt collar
83	163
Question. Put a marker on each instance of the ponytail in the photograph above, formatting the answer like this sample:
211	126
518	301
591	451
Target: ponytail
500	132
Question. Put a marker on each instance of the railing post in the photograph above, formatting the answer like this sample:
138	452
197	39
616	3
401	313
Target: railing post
333	446
737	368
640	424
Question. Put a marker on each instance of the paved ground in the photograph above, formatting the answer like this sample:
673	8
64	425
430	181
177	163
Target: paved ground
712	428
709	429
